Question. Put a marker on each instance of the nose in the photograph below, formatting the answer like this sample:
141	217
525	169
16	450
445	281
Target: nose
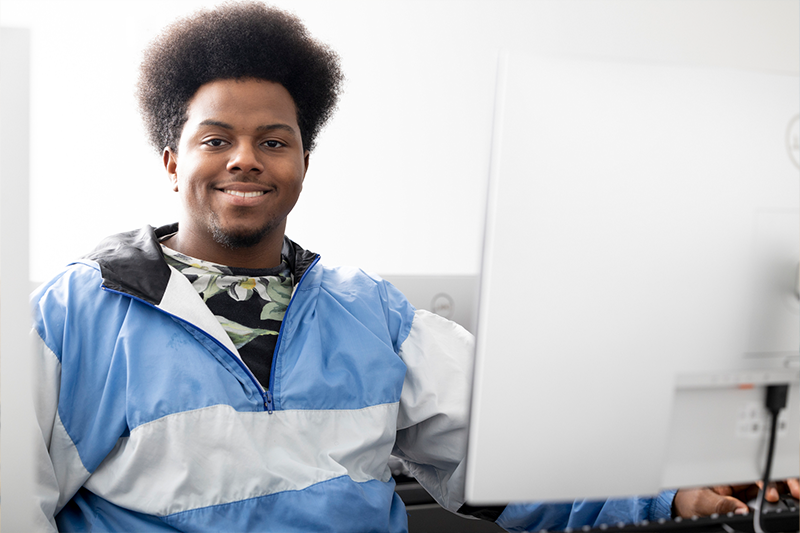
245	158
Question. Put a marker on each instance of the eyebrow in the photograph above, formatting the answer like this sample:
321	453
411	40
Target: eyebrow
267	127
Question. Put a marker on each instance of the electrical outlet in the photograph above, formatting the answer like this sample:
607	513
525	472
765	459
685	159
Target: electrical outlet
752	422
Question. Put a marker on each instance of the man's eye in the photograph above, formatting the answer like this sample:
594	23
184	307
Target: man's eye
273	144
216	143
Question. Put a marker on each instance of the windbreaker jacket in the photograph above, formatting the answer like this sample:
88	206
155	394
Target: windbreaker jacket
150	421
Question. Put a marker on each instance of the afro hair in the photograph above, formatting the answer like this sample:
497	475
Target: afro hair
236	41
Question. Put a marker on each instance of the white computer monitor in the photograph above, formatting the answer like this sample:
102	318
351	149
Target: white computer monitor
639	280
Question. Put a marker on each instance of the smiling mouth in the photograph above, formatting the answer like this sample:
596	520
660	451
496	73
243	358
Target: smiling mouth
243	194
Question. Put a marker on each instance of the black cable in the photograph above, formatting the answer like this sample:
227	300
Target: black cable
776	400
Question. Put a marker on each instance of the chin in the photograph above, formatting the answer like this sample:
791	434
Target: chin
238	239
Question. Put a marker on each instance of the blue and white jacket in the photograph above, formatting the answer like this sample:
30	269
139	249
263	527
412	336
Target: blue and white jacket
150	421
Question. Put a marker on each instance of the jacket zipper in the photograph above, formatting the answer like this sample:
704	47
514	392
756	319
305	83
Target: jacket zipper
271	386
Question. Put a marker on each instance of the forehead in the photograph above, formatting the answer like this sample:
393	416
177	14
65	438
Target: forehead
246	101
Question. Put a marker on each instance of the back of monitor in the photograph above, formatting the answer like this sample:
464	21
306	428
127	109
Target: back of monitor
642	230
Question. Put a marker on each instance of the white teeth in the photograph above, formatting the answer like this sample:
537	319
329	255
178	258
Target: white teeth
244	194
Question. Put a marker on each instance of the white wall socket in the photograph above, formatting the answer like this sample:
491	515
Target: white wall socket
753	419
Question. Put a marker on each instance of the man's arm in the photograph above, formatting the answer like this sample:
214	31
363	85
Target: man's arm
554	516
46	489
77	403
434	406
57	476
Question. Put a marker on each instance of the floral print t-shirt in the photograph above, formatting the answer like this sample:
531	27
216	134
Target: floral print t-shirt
250	304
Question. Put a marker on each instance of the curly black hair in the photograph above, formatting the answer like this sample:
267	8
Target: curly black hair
235	41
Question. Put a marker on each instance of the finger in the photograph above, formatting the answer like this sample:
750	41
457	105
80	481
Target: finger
728	504
794	487
772	494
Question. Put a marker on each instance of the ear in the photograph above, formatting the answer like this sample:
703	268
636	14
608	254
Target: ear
305	162
171	166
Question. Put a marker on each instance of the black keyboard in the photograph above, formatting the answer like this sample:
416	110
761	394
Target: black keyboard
783	519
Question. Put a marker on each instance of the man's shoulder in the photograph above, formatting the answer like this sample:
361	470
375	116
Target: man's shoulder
83	273
70	294
347	278
354	284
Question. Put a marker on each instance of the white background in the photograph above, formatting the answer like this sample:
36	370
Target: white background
397	182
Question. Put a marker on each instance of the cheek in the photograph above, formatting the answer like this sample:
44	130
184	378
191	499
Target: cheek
189	179
191	194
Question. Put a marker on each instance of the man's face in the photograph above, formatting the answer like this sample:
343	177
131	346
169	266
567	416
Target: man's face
239	168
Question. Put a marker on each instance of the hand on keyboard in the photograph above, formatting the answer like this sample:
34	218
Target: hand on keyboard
776	490
746	493
726	499
705	502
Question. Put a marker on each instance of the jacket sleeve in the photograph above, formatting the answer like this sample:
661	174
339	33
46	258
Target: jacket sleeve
432	436
593	513
434	406
59	472
79	402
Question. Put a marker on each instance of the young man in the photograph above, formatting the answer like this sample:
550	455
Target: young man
212	375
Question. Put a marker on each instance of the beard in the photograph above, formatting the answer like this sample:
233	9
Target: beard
235	239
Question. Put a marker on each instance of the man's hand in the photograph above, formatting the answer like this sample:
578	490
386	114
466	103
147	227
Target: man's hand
726	499
705	502
774	490
793	486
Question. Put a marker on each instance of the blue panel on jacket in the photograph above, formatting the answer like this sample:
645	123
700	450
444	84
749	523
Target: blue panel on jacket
342	331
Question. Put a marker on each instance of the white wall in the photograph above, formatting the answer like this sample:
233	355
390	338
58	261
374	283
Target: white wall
397	182
18	421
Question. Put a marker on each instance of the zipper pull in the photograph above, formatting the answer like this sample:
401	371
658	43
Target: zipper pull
268	403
